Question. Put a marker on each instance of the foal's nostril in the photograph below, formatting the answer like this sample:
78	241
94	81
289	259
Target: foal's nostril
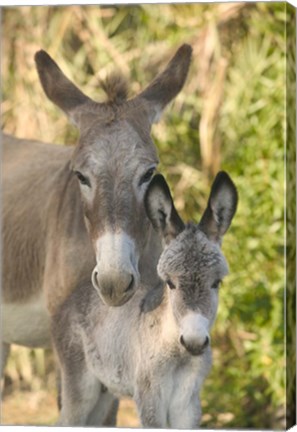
182	341
131	285
206	342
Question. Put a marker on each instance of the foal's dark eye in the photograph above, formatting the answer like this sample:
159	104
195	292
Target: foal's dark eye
216	284
170	284
147	176
82	179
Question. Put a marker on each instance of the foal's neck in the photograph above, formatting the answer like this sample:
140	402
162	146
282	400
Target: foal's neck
168	324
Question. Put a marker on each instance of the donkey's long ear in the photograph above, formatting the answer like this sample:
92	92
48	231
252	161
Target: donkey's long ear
160	209
167	84
58	88
221	207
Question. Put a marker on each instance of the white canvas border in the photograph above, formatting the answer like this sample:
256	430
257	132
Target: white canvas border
96	2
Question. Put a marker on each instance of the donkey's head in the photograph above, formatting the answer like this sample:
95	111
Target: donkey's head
192	263
114	162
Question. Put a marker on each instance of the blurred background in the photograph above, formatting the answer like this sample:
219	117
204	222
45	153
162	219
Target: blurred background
230	115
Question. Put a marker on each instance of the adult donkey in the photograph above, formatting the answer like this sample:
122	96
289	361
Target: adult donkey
70	217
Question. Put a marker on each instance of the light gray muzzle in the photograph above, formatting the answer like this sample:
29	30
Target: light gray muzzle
115	276
194	333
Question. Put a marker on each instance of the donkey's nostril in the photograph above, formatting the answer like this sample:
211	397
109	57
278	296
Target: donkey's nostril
95	279
131	284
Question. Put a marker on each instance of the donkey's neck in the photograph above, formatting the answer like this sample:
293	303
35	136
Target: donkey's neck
73	260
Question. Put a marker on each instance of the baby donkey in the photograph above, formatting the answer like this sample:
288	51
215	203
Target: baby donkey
157	352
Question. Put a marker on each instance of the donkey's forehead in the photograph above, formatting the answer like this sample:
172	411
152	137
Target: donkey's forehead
192	253
119	141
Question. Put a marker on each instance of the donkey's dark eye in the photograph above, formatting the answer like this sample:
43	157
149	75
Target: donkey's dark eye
82	179
170	284
216	284
147	176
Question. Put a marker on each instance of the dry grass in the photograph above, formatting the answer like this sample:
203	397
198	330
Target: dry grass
40	409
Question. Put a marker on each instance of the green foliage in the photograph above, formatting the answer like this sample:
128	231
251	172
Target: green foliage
291	216
246	388
252	125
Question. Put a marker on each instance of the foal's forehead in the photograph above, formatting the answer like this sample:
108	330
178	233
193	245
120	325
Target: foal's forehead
192	252
193	241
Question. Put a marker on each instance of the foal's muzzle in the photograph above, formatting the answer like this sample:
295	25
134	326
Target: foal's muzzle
195	349
194	333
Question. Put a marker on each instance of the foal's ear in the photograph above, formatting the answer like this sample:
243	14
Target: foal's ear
58	88
167	84
221	207
160	209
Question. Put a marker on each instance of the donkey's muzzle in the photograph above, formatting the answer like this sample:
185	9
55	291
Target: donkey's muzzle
195	349
115	289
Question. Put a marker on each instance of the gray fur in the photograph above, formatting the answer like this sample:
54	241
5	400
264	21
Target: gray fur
146	349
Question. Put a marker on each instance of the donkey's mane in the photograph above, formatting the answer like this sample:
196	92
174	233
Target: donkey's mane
116	88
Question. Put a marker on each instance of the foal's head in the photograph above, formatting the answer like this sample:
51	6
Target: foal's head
114	162
192	263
